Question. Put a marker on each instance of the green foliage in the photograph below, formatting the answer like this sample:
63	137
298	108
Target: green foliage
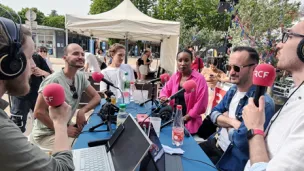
54	21
258	17
53	13
100	6
200	13
40	15
3	13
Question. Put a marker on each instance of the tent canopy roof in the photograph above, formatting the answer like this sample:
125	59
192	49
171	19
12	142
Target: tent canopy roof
123	20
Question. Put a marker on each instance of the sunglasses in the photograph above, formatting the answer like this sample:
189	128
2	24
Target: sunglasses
73	89
287	34
237	68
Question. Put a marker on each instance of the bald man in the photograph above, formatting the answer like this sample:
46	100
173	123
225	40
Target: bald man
74	83
282	145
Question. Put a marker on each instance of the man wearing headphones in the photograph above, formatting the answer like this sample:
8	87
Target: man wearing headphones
280	146
17	153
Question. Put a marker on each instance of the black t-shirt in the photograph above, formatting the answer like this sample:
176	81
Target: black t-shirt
141	62
180	100
36	81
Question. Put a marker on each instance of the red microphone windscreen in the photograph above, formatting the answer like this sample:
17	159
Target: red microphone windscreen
264	75
53	94
164	78
97	76
189	86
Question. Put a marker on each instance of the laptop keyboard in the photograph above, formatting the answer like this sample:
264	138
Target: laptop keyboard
94	159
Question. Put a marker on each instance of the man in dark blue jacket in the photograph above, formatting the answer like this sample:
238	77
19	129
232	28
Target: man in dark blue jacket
228	148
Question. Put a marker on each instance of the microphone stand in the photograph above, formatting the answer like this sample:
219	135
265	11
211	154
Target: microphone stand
152	98
106	114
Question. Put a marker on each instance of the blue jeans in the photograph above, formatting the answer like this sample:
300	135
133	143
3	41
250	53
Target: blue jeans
19	110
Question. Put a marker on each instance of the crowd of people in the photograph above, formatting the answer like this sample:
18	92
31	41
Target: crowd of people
248	137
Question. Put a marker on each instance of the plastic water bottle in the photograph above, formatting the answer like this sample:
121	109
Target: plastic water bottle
126	88
178	127
122	115
132	89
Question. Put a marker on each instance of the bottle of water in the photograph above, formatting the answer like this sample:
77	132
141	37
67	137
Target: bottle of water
122	115
126	88
178	127
132	89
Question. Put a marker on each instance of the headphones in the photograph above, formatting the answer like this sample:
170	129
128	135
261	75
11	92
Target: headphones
300	50
12	59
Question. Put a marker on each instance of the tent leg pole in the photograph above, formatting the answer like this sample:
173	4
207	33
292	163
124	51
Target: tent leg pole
66	37
127	51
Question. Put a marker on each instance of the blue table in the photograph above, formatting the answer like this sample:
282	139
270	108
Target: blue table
191	148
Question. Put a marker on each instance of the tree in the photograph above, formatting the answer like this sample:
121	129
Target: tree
55	21
201	38
40	15
53	13
200	13
255	20
3	13
166	10
100	6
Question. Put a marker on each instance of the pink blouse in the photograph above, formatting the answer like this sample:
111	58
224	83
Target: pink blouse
196	101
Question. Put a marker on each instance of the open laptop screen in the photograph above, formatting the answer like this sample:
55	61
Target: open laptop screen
131	146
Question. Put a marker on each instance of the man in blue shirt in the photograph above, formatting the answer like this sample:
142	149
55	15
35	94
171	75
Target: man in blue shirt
228	149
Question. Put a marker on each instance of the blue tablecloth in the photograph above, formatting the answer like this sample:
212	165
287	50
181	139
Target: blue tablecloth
191	148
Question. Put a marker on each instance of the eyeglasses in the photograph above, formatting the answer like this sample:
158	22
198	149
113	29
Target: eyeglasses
73	89
287	34
237	68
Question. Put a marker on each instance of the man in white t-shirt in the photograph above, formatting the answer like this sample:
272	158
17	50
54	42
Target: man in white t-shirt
91	63
281	146
228	149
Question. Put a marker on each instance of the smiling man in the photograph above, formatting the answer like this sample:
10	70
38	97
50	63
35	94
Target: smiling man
74	83
281	146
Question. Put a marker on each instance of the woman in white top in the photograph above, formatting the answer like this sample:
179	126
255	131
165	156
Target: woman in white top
116	70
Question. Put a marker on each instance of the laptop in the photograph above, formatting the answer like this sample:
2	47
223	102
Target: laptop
124	151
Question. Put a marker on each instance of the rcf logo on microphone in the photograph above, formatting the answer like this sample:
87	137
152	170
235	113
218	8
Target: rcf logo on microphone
48	99
261	74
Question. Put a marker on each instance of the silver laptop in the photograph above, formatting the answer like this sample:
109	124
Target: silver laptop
125	154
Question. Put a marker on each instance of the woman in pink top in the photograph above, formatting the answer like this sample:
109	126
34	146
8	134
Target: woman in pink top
195	103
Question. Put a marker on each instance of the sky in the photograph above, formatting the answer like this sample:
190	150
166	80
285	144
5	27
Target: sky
80	7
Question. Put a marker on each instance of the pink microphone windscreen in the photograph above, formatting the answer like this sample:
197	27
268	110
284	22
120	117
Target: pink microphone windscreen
264	75
189	86
53	94
97	76
164	78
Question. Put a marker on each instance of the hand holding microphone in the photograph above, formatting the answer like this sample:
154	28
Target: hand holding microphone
263	77
59	110
254	113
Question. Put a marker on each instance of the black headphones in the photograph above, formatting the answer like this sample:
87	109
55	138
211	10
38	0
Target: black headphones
12	58
300	50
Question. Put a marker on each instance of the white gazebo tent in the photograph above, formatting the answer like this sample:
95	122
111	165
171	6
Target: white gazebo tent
127	22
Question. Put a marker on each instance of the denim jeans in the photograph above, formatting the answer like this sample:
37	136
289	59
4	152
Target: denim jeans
19	110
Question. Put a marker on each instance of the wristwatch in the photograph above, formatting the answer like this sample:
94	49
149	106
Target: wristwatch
253	132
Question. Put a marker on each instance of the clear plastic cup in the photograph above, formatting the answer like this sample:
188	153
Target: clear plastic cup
156	122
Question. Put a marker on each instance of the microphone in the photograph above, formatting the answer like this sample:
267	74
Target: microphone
263	77
188	87
97	77
163	78
53	94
